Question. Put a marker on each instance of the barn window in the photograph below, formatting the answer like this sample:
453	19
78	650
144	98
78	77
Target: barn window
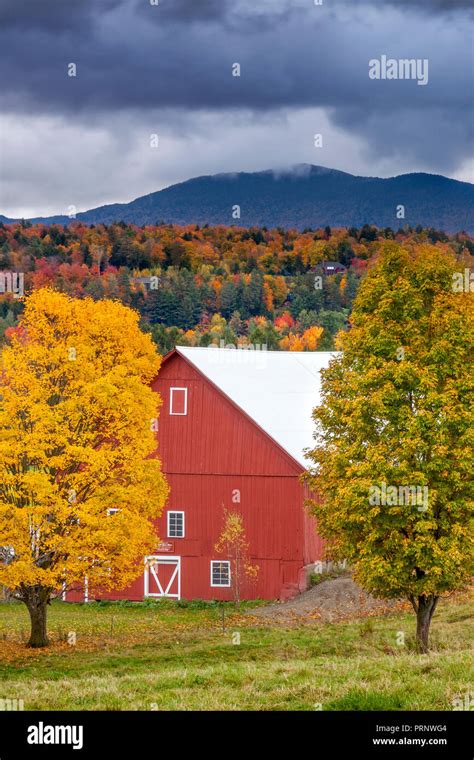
178	401
112	511
220	573
175	524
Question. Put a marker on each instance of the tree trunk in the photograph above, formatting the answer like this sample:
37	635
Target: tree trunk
36	599
424	612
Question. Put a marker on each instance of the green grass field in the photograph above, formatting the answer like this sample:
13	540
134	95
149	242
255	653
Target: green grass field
159	656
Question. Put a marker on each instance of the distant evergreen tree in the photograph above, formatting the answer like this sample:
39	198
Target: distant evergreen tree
125	289
176	255
344	253
264	335
252	296
229	297
332	322
163	306
236	323
368	232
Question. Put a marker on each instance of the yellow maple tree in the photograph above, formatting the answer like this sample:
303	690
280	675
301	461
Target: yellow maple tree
78	487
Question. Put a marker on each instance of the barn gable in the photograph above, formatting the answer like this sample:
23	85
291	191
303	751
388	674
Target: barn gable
215	436
231	433
278	390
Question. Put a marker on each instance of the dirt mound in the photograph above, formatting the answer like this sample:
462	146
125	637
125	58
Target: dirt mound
329	601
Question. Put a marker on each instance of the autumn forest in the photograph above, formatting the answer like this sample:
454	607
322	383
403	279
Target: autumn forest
200	285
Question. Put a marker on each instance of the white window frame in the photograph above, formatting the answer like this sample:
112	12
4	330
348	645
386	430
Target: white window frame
221	562
175	512
113	511
179	414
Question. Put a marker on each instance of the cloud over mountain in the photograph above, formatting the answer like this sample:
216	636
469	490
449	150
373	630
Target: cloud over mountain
168	69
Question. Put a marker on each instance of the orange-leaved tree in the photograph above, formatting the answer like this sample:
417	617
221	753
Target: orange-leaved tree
76	434
308	341
233	544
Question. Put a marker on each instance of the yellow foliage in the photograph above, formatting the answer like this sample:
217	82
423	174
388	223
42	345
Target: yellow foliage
311	337
76	435
308	341
233	544
268	297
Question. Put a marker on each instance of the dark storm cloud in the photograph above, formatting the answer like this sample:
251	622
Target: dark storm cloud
138	56
52	14
175	60
61	13
435	6
190	10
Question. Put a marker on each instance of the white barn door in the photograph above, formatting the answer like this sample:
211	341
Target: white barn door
162	576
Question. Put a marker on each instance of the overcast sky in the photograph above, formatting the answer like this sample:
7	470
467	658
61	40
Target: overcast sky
166	69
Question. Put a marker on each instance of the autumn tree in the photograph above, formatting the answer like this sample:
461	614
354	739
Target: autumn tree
232	543
308	341
393	460
76	434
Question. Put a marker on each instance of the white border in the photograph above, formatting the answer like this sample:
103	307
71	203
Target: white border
179	414
221	585
175	512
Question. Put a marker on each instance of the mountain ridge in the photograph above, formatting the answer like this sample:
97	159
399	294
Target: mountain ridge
304	195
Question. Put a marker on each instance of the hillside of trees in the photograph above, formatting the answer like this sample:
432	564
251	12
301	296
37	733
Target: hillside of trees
198	286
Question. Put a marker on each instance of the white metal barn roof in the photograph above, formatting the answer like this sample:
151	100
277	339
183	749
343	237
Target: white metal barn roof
277	389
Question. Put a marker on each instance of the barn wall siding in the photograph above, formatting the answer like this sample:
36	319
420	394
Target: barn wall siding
216	457
214	437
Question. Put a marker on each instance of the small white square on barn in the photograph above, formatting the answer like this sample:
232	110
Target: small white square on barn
179	401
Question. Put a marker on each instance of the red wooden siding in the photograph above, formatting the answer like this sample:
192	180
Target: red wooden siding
209	455
214	437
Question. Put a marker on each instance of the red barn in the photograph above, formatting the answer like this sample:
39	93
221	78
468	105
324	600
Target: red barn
232	431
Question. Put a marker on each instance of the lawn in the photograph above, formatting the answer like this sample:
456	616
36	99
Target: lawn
162	656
